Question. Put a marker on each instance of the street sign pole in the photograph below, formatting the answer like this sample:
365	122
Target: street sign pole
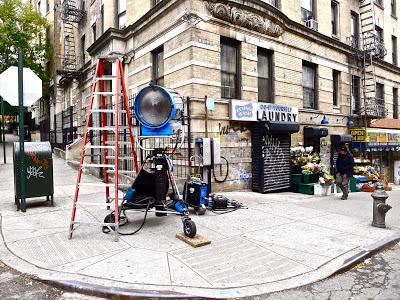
21	131
2	129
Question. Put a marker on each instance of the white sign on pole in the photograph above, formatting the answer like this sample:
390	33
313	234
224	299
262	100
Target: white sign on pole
9	86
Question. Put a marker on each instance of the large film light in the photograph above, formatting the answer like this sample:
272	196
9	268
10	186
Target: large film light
155	107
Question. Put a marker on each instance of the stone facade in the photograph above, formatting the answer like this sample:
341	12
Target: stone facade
190	33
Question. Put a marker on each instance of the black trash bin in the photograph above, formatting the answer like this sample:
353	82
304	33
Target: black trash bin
38	167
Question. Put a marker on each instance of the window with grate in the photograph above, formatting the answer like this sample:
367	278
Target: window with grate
265	76
230	86
309	84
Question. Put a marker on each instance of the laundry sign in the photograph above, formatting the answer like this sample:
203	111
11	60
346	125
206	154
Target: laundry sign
259	111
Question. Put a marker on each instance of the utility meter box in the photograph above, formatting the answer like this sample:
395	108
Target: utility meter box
38	170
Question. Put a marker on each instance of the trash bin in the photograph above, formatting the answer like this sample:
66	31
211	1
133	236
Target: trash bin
38	166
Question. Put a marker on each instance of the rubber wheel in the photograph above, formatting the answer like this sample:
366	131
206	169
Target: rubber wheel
189	228
109	219
200	210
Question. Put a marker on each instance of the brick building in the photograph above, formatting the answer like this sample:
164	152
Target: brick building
315	57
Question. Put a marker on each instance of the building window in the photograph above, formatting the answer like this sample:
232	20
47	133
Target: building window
379	2
82	4
355	30
355	94
121	13
380	94
334	17
94	32
47	6
276	3
309	84
265	77
379	34
230	69
102	18
158	66
83	50
393	8
395	103
336	80
307	10
394	50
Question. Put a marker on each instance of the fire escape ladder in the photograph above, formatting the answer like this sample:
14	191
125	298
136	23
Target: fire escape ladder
70	15
372	47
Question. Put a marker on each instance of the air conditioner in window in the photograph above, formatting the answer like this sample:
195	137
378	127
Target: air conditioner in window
313	24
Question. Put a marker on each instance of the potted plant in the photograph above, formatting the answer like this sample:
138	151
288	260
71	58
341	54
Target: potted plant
326	181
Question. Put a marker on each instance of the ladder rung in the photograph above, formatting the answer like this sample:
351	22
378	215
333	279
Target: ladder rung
95	110
93	223
104	93
102	184
97	166
121	172
92	204
111	77
108	128
99	147
119	143
120	157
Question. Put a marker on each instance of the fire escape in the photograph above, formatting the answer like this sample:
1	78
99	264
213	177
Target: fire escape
70	15
368	48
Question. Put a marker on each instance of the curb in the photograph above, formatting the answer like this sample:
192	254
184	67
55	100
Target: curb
123	293
114	293
367	253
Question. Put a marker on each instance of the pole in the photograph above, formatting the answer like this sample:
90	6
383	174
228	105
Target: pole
21	131
2	130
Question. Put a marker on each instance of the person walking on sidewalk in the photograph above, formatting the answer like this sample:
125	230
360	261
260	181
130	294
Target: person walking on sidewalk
344	167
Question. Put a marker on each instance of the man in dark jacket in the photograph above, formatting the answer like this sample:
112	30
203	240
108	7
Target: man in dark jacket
345	170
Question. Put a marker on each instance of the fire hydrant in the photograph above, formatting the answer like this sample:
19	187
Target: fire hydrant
380	207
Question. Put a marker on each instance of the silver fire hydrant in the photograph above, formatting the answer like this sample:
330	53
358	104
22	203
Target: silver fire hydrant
380	206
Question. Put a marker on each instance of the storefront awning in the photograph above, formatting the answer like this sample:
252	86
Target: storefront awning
315	132
341	138
278	127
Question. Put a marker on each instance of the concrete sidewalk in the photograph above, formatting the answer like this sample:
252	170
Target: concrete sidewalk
281	241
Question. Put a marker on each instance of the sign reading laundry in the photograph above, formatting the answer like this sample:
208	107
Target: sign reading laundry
258	111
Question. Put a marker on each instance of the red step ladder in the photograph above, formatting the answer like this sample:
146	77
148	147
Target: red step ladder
116	96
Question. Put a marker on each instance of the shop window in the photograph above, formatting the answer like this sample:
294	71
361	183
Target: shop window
121	17
309	84
355	94
393	8
336	79
334	17
355	30
265	76
394	50
158	66
230	69
395	103
307	10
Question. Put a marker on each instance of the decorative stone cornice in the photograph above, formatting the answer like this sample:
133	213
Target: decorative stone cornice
243	18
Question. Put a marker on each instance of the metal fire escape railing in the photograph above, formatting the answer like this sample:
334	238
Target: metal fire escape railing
367	48
70	15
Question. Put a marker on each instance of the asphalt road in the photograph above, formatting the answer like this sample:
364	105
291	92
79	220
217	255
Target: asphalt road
378	278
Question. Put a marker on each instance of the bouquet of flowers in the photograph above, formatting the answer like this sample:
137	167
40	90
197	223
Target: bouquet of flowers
311	168
326	180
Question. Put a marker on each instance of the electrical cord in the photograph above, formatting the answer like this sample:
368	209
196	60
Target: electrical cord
227	172
106	229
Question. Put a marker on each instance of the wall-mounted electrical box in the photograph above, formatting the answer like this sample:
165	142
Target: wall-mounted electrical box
203	147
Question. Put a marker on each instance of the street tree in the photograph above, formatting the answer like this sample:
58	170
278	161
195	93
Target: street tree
23	28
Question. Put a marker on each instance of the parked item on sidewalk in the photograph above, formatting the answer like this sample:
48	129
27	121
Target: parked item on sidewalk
39	172
345	170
